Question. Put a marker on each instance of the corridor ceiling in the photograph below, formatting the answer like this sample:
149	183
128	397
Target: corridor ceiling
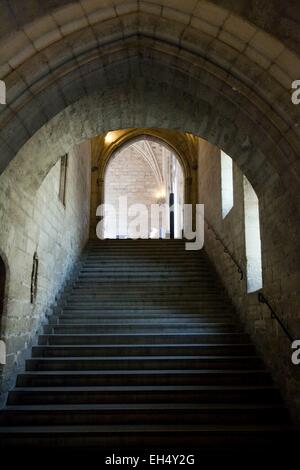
210	68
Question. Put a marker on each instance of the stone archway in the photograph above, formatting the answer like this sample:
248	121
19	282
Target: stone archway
209	69
168	106
54	61
187	160
184	146
139	158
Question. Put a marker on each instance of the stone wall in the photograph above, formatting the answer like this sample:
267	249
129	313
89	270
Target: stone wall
280	262
39	222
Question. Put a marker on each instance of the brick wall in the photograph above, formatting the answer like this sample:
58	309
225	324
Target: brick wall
38	222
280	262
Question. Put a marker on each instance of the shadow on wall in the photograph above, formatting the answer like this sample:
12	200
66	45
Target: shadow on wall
2	290
2	297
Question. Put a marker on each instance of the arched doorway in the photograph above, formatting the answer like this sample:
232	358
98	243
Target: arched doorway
146	175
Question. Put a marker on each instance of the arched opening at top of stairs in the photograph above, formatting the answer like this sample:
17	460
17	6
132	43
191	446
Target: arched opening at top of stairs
146	175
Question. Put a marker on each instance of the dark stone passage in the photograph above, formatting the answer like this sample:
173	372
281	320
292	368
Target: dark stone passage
145	351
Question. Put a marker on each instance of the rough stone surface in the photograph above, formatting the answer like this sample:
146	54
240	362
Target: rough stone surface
221	49
280	263
40	223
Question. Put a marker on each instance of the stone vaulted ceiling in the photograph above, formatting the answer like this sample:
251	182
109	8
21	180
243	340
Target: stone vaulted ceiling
198	66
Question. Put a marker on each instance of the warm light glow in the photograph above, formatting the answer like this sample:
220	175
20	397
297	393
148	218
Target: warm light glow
110	137
161	194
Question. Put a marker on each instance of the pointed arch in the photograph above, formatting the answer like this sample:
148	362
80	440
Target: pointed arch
144	171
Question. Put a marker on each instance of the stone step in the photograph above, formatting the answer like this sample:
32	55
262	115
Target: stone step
140	278
144	338
141	304
144	394
144	362
212	438
123	314
136	312
147	278
154	309
177	268
68	318
116	285
143	281
165	257
124	327
144	296
142	307
158	413
173	269
144	254
144	377
175	251
95	319
135	307
147	254
144	248
99	264
143	350
163	294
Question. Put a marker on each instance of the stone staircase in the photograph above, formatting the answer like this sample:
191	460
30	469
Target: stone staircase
146	352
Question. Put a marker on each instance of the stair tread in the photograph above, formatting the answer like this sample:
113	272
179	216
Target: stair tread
146	406
145	324
57	429
130	301
121	388
146	372
149	345
170	333
150	358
